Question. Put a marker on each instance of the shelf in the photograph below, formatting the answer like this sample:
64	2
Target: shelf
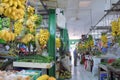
33	65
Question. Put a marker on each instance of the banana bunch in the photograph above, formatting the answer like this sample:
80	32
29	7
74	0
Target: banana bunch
34	18
115	28
27	38
30	25
14	9
30	10
43	37
87	45
7	35
104	40
91	43
18	27
80	45
58	43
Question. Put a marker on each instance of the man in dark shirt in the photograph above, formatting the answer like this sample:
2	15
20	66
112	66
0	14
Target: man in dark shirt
75	56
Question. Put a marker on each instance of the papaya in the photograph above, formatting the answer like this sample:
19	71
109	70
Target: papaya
51	78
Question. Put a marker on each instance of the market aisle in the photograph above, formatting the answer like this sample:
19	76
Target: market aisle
79	73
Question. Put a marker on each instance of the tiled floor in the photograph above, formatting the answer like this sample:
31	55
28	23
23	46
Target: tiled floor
79	73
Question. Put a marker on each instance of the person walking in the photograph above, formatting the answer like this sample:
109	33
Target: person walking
75	56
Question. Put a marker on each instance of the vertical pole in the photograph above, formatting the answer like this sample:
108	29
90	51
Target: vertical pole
61	36
66	39
51	42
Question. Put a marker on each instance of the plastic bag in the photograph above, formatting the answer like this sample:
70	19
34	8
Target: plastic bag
96	62
61	21
66	63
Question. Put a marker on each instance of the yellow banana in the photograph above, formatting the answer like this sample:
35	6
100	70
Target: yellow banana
6	13
1	10
9	9
15	4
5	1
10	2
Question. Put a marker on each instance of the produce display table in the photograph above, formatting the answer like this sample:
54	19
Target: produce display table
114	73
33	65
102	67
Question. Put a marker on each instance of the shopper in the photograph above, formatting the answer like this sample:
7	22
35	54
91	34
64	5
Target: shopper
75	56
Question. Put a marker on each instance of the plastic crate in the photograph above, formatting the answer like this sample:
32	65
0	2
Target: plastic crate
35	76
103	76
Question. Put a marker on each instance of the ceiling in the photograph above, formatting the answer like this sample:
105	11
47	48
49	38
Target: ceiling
80	14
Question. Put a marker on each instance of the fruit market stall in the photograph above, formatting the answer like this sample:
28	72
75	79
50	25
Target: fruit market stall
21	31
109	58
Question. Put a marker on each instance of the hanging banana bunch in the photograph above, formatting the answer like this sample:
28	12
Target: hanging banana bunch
43	37
104	40
30	11
27	38
14	9
18	27
58	43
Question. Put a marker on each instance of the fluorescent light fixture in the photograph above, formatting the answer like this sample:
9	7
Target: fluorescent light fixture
84	3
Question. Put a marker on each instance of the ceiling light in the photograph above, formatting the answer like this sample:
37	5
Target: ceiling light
84	3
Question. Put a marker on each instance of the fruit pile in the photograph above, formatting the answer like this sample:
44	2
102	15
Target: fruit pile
43	37
65	75
104	40
27	38
13	75
58	43
45	77
14	9
7	35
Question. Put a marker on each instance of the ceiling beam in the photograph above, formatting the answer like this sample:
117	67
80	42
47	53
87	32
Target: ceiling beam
112	10
102	27
45	6
103	17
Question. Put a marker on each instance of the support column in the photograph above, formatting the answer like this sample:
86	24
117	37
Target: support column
51	42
